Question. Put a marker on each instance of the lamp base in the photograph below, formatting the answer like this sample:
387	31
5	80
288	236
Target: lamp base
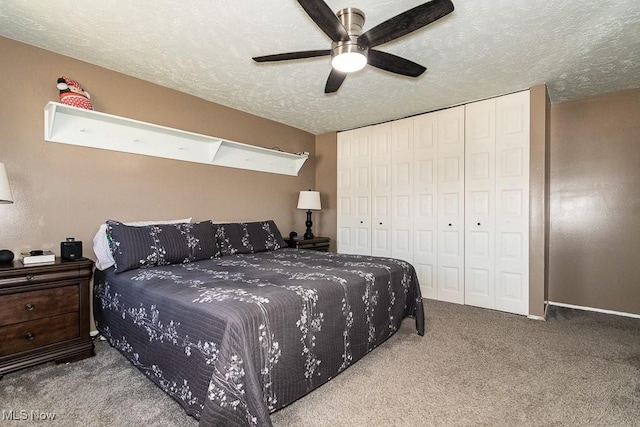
308	234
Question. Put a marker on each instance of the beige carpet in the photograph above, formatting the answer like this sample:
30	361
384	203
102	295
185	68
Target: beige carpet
473	367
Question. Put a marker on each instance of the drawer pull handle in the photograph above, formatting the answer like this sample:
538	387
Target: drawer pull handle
29	277
30	307
30	336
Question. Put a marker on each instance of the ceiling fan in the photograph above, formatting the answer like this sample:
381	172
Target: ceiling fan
352	49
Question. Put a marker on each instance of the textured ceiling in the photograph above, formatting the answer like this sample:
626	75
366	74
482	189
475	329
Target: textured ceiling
204	47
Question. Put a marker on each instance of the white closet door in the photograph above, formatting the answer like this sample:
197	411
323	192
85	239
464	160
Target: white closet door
425	196
362	190
451	205
345	194
512	203
402	189
354	192
381	190
480	185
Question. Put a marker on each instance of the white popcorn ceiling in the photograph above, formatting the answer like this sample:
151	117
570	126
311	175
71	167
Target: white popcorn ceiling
484	48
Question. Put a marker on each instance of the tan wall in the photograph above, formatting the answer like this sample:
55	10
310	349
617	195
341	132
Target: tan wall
62	190
327	185
595	202
538	197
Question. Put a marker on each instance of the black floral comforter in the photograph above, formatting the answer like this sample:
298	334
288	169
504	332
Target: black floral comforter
235	338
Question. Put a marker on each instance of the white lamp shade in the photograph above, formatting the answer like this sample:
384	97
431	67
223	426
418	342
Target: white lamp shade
5	191
309	200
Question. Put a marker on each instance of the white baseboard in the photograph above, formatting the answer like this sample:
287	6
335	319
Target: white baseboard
598	310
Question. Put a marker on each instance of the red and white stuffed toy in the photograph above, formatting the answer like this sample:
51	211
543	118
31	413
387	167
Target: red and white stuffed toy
72	93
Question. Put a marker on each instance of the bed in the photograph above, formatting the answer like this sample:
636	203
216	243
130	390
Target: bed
233	324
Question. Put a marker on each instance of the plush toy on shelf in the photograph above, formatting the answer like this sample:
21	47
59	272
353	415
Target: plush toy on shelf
72	93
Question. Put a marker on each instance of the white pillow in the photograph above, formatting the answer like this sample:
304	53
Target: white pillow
104	257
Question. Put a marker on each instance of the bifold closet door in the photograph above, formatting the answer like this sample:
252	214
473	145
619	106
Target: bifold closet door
512	203
451	205
381	204
354	192
345	219
425	196
480	189
402	189
497	203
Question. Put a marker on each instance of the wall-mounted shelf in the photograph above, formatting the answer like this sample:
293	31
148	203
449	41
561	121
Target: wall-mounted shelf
87	128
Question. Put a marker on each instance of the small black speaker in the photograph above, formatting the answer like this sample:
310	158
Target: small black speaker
71	250
6	256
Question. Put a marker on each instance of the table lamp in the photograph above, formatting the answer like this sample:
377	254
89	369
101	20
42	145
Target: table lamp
309	200
6	256
5	191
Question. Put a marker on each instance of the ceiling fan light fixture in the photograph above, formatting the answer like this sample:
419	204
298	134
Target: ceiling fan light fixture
349	62
348	57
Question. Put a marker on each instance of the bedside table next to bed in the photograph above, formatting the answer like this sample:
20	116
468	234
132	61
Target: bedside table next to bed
44	313
316	244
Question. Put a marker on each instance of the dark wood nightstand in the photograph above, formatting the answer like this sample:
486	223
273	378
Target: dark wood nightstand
316	244
44	313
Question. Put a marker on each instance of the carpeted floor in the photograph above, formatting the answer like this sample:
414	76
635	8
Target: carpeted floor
473	367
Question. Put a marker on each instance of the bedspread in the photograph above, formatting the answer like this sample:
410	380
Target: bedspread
235	338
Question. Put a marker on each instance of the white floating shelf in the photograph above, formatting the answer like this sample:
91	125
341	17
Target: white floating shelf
88	128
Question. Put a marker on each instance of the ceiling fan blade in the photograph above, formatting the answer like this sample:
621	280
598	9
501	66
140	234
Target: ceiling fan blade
406	22
395	64
334	81
324	18
292	55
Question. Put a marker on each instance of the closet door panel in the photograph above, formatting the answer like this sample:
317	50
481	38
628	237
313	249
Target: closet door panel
381	190
354	192
346	224
402	189
451	205
425	193
480	183
346	213
361	151
512	203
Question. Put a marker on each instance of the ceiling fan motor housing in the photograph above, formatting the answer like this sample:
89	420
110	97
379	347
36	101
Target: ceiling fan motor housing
353	20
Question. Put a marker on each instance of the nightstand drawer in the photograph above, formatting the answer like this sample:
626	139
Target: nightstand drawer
38	333
35	274
25	306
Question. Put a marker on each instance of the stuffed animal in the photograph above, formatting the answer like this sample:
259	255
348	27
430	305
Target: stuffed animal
72	93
